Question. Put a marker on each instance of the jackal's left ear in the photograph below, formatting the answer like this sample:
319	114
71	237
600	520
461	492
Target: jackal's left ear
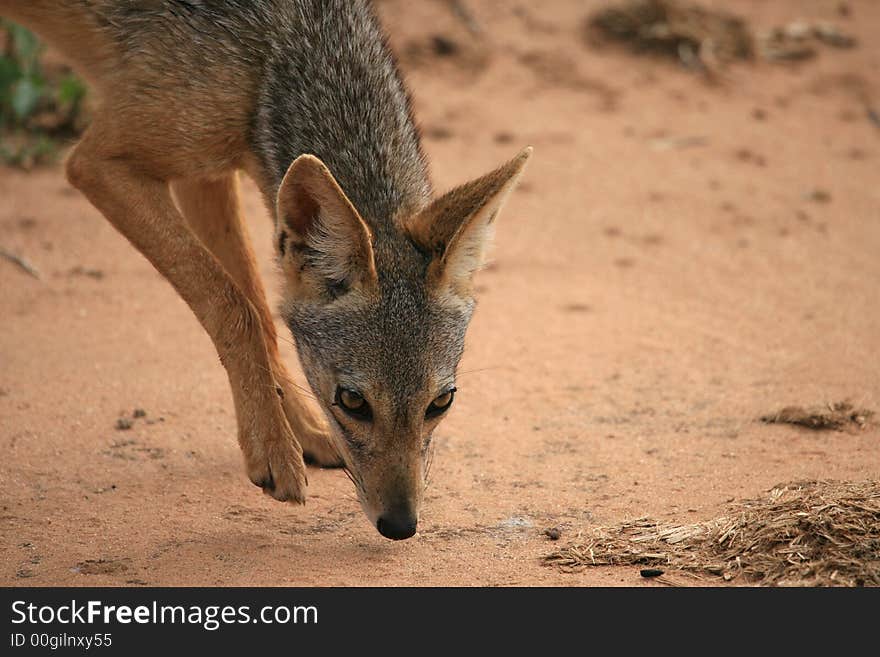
457	227
324	246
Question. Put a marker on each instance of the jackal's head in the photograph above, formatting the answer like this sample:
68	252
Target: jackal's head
379	315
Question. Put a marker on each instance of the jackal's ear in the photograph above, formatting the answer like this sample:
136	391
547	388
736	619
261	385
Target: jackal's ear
457	227
324	246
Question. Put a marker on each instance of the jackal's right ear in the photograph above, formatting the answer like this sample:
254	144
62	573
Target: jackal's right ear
456	228
324	246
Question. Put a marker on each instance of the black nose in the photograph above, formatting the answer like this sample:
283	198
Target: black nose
397	526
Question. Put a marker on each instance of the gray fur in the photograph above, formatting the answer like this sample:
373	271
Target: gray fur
318	74
331	88
405	346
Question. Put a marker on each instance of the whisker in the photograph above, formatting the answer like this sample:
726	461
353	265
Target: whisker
428	465
283	339
483	369
271	387
268	385
302	389
357	482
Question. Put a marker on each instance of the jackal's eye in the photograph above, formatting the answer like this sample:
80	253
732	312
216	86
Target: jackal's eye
440	404
353	403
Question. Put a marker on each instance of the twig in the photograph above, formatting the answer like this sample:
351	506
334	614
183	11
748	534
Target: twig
464	14
683	141
21	262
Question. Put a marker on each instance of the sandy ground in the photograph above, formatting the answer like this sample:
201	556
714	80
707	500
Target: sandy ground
666	274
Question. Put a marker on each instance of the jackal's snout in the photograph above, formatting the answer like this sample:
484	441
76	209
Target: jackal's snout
397	486
398	523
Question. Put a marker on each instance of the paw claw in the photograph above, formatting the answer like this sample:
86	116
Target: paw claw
279	470
266	483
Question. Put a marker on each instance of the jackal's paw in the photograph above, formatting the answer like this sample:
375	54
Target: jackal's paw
310	429
319	451
279	470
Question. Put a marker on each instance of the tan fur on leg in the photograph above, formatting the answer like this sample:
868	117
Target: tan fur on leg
212	211
141	208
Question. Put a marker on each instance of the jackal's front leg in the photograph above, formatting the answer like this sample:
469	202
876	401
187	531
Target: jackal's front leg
141	208
212	210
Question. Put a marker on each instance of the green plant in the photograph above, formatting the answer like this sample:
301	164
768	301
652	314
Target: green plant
39	105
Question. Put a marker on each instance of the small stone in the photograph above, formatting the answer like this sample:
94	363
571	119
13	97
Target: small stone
820	196
444	46
553	533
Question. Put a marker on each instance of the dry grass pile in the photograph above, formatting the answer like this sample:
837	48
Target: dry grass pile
706	39
837	416
817	533
690	33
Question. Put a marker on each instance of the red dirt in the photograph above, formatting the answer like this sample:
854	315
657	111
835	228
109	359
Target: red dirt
665	275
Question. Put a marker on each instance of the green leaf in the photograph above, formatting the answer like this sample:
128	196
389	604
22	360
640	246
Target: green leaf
25	46
25	96
9	73
24	92
70	90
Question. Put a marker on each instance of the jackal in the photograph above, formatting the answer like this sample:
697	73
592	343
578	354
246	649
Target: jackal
305	97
